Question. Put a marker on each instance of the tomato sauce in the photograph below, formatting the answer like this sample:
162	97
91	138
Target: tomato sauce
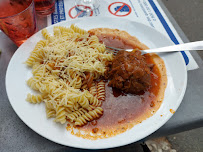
123	108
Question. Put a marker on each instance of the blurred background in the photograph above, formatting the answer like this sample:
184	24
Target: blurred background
189	16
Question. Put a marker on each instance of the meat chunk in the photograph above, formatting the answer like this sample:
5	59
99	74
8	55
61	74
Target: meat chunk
129	72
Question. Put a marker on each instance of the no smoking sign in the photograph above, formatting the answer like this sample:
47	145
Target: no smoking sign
120	9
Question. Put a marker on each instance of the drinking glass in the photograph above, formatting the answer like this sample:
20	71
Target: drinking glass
87	5
44	7
17	19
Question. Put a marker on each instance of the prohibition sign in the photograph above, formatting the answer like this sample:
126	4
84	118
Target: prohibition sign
78	13
119	9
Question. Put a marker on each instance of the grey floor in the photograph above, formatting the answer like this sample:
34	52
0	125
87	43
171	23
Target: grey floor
190	141
189	16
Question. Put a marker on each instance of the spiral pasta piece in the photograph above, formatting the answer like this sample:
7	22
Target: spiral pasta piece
57	31
30	61
68	110
50	113
83	101
68	103
78	30
35	68
91	107
47	36
89	116
65	30
34	98
37	54
41	44
93	40
35	57
74	115
94	101
40	72
101	90
60	114
93	89
101	48
33	83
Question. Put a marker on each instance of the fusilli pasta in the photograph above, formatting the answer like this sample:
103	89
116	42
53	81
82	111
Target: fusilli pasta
34	98
101	90
65	66
93	89
60	114
89	116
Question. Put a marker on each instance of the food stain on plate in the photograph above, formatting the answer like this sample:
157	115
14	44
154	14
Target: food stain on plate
172	111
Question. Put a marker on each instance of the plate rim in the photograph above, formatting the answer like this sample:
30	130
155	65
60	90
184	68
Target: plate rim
105	146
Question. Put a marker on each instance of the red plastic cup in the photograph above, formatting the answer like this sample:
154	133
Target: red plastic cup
17	19
44	7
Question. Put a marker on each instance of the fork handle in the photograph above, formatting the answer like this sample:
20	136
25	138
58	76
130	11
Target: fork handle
198	45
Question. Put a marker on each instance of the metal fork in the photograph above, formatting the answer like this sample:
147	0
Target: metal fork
198	45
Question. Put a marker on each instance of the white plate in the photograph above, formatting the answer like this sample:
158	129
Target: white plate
34	116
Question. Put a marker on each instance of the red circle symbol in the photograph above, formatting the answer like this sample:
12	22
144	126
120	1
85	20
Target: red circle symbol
120	6
75	15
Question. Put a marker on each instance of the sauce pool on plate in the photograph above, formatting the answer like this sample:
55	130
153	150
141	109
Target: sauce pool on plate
122	111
